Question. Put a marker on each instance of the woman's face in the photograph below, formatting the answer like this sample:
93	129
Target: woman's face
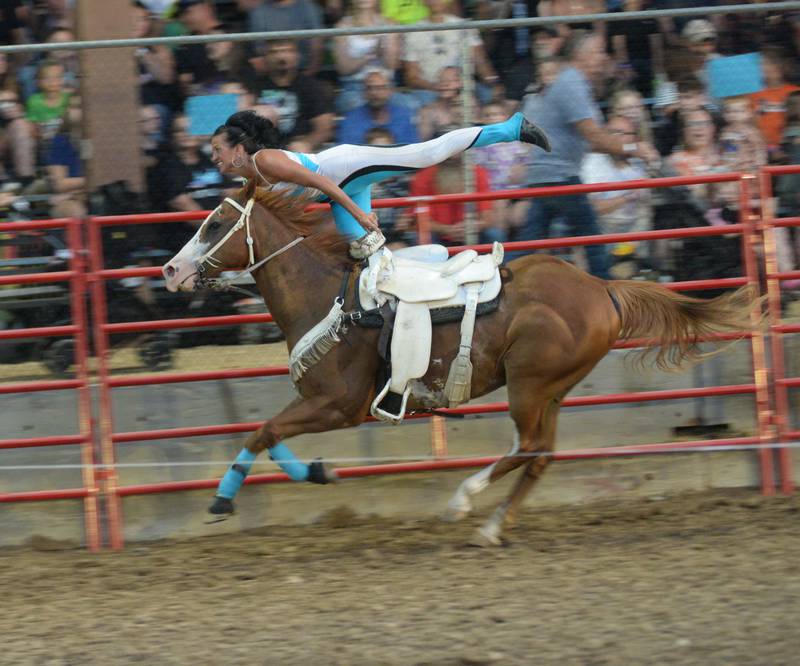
698	130
223	155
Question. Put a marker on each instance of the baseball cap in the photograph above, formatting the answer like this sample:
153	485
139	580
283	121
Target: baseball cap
699	30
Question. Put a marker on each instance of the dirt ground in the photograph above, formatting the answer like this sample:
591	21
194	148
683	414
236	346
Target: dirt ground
711	578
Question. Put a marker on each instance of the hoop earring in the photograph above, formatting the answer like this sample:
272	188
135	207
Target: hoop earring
237	163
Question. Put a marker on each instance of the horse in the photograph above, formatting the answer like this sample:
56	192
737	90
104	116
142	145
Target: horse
553	324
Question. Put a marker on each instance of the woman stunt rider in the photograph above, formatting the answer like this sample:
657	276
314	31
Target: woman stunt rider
248	145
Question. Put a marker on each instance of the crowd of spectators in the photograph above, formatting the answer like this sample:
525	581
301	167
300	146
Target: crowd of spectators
621	100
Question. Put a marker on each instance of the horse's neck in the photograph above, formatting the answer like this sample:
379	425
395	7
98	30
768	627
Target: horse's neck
298	288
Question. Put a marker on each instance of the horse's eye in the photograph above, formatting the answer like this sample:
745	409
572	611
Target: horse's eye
213	226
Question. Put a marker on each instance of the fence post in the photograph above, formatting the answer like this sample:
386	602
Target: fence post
765	420
776	336
106	429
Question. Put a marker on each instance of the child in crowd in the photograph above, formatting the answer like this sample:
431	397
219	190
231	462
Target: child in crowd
507	166
396	225
48	107
741	143
741	148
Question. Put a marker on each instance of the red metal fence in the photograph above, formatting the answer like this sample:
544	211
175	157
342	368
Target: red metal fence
77	330
749	227
778	330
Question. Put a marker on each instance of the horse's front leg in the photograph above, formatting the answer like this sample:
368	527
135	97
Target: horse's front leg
303	415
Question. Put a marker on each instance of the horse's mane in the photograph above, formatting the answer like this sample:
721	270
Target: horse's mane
292	211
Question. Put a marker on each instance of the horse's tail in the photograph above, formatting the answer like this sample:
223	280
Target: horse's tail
675	322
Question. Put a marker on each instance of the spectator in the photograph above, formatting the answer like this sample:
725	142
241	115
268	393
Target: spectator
447	220
507	165
715	256
355	55
156	66
568	114
184	178
12	29
698	154
48	15
427	53
788	187
295	98
228	65
64	167
47	108
17	140
619	211
690	96
630	105
700	38
509	49
181	178
378	112
446	109
405	11
574	8
395	224
742	147
192	61
637	47
68	58
769	104
280	15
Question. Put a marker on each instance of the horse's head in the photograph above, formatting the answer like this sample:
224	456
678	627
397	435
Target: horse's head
223	242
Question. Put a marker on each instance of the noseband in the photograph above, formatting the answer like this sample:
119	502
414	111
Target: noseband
208	259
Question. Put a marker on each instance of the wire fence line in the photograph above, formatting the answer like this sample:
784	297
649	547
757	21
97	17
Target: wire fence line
629	451
416	27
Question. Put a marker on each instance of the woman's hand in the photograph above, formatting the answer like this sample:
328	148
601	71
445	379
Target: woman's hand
369	221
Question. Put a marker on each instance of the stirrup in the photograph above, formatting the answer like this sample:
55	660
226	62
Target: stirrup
390	406
367	245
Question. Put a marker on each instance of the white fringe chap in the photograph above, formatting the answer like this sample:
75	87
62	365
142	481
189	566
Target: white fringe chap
317	342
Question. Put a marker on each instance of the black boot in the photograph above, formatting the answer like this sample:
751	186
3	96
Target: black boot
530	133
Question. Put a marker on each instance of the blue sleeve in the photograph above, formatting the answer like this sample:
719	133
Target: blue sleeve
572	96
351	129
405	129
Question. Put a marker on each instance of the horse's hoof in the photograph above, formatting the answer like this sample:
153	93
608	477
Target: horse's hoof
319	472
220	510
483	538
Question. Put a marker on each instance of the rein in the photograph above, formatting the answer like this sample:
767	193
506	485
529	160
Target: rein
220	284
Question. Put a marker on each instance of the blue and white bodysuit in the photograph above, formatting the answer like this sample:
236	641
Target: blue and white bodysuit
354	168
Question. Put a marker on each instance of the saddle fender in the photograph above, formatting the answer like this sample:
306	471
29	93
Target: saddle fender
411	344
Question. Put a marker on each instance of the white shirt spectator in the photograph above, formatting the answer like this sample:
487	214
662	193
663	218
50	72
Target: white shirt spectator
434	51
636	213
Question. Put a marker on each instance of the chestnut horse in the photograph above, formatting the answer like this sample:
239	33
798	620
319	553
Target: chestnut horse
553	325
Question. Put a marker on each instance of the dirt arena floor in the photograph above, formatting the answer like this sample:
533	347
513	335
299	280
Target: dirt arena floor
706	579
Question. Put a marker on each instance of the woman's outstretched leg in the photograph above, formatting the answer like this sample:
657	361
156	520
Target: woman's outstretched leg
356	168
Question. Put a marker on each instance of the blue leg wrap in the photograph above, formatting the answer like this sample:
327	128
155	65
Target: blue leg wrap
500	132
281	454
236	474
346	223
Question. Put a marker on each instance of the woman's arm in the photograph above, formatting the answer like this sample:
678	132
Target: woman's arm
62	182
276	167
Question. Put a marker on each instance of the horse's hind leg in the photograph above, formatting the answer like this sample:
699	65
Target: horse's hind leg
505	515
460	504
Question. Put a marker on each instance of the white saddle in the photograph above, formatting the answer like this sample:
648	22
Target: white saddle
413	282
438	282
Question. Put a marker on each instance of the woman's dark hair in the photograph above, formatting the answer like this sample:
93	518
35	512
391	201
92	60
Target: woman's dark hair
254	132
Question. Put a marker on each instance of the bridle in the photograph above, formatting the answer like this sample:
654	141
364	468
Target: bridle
219	284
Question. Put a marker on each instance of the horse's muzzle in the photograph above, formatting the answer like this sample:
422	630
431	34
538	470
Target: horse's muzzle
179	276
